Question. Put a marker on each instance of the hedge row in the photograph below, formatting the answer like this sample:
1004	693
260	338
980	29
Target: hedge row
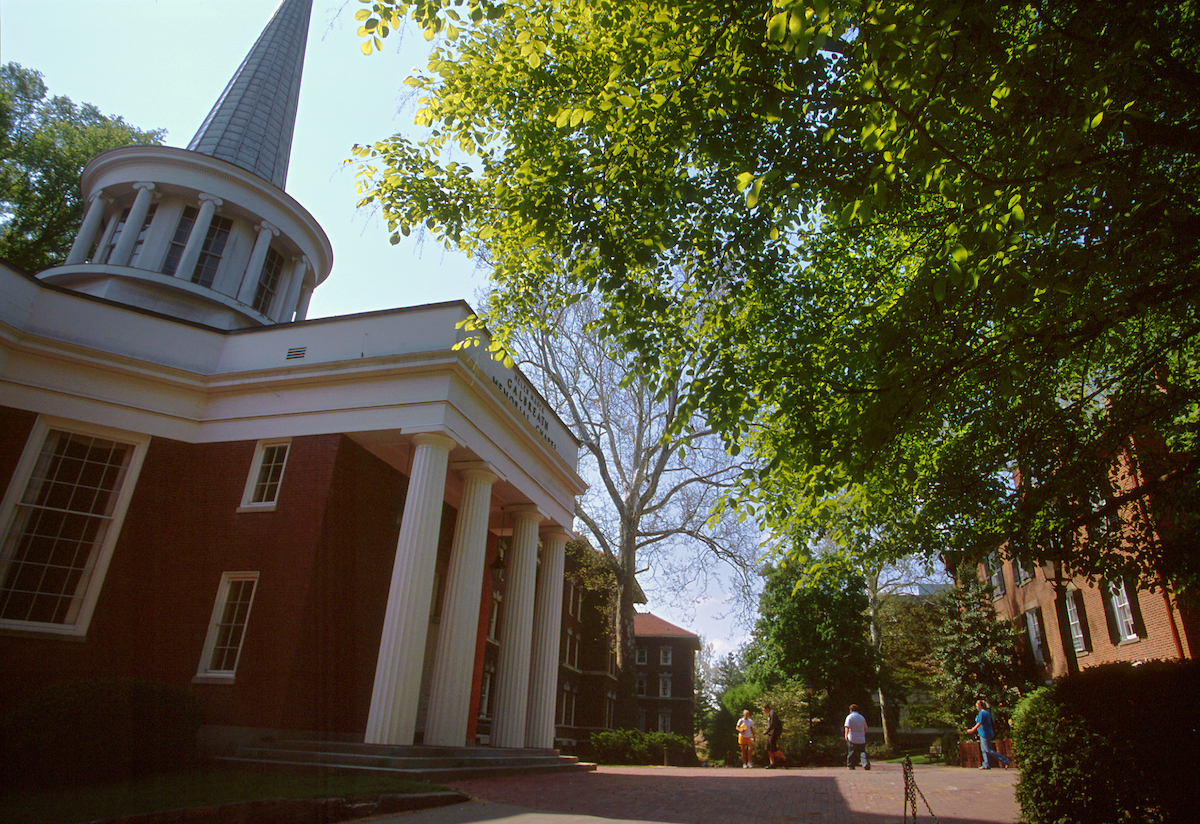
1116	743
99	730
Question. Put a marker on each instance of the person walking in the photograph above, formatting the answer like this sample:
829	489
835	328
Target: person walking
745	731
856	739
987	736
774	730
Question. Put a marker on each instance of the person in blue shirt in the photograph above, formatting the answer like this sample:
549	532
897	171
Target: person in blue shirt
987	735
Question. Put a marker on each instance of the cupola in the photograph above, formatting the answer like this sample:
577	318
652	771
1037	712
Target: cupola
207	234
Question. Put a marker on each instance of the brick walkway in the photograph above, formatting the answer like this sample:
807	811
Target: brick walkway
732	796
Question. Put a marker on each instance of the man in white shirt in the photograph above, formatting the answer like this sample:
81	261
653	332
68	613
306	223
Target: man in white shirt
856	739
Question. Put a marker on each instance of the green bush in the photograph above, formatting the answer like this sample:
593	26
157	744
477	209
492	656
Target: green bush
633	747
1115	743
100	730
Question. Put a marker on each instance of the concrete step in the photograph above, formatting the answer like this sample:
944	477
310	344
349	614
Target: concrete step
420	763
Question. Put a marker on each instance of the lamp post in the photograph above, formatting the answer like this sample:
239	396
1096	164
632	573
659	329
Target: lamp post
808	693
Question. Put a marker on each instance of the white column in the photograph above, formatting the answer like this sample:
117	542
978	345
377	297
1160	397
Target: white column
133	224
547	625
195	241
287	307
305	296
87	232
454	664
258	257
512	669
392	717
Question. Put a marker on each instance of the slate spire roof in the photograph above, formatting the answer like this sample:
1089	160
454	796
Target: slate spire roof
252	123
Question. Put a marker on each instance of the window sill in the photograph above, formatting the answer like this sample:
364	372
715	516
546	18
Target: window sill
213	678
256	508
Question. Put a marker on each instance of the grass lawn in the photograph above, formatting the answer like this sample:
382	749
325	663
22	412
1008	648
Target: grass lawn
207	786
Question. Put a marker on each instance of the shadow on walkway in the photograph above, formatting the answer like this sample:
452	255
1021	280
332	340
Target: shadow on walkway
730	796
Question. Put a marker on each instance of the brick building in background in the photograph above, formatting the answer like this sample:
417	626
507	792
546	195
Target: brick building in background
665	659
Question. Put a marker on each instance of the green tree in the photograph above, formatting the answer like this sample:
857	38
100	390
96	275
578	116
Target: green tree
977	656
926	243
813	630
655	476
44	144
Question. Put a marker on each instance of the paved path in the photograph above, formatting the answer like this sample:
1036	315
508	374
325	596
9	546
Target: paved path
676	795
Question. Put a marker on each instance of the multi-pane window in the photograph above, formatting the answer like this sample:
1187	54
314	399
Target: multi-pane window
1077	616
141	238
610	710
268	281
664	656
61	528
210	253
183	230
640	655
566	706
1022	572
113	238
485	690
266	474
227	630
1033	629
641	685
664	722
664	686
569	592
995	569
494	618
1122	610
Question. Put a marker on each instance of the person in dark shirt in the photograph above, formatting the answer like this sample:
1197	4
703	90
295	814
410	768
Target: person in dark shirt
774	730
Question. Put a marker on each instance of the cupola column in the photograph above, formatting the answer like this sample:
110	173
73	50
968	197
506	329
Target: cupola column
287	307
547	626
133	224
195	241
254	268
512	668
392	716
454	663
306	290
87	232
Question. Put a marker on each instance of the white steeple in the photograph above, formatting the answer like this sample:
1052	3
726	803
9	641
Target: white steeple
217	241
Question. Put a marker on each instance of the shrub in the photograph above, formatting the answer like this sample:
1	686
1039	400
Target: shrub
633	747
1112	744
100	730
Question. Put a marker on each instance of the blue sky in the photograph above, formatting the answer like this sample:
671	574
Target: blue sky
163	63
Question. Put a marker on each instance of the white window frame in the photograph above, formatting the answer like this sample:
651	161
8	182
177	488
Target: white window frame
485	690
664	686
995	573
205	674
639	656
1075	617
494	617
1033	627
249	504
664	656
103	550
641	685
664	722
1118	594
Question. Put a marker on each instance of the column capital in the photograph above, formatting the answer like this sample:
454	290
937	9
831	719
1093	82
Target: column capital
266	226
437	440
204	197
100	196
143	184
476	469
554	530
524	512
